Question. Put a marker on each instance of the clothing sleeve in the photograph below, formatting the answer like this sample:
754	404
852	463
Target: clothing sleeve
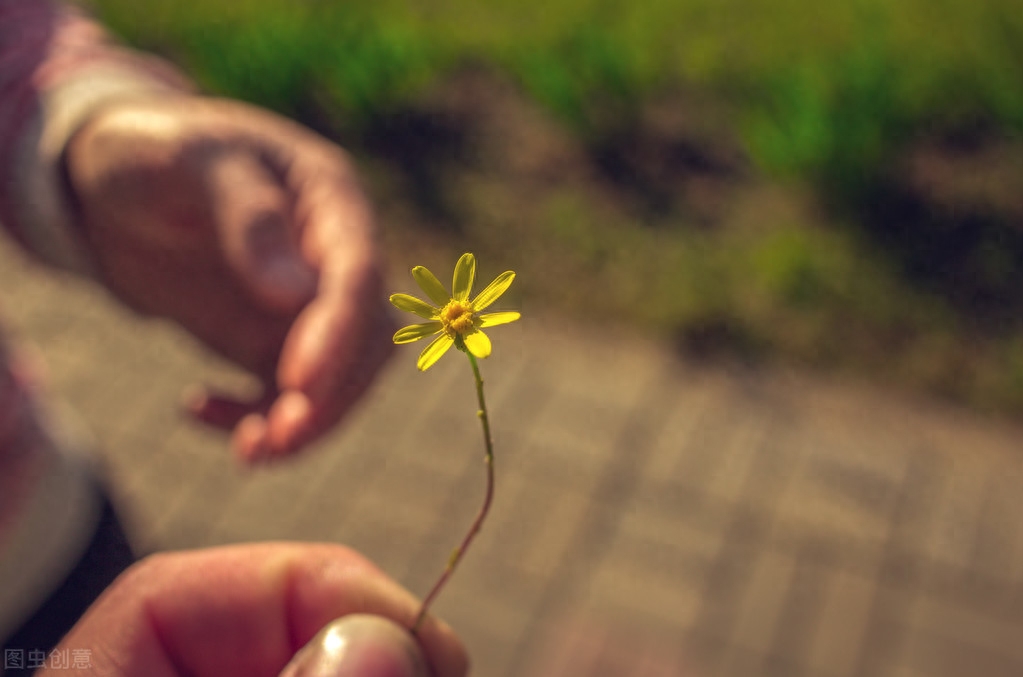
50	500
57	68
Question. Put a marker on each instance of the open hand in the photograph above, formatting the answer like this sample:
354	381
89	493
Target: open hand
252	233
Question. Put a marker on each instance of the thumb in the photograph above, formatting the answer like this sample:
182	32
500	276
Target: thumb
254	221
359	645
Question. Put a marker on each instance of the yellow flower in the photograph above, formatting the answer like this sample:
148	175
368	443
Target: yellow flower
455	318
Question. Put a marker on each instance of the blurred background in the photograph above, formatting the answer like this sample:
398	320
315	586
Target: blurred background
761	416
840	186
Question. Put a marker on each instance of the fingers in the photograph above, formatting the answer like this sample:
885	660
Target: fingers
359	645
338	236
249	442
319	589
244	610
254	214
341	338
275	240
295	420
278	424
221	410
298	232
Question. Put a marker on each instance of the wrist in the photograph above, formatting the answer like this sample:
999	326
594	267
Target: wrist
47	214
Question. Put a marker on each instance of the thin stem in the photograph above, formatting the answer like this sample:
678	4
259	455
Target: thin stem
488	497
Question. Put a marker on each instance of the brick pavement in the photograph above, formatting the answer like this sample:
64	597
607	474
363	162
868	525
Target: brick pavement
653	517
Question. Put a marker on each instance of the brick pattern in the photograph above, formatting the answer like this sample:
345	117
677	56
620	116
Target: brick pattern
653	517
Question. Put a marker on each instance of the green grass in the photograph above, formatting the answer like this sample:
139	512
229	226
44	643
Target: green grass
830	90
291	57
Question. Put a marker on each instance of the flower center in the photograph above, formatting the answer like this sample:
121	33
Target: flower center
457	318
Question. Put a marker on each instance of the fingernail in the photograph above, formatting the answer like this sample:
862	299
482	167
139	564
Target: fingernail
359	645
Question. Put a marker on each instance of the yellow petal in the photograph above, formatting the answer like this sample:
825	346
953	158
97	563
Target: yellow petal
465	275
429	283
478	344
414	332
494	319
493	290
434	351
411	304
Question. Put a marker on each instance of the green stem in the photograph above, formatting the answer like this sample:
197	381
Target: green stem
488	497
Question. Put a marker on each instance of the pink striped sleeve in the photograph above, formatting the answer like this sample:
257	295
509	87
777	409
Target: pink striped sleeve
56	66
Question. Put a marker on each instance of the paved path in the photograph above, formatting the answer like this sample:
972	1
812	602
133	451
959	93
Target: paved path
650	514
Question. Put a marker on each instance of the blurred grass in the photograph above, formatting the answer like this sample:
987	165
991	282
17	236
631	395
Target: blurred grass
807	71
828	94
821	98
